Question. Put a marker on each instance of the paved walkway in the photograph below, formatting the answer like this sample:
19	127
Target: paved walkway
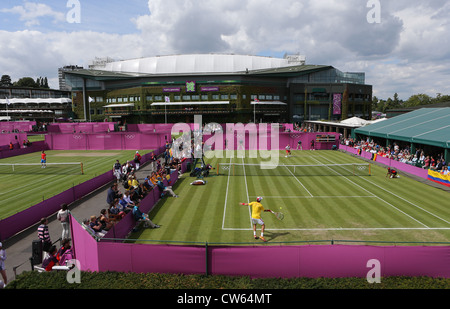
18	247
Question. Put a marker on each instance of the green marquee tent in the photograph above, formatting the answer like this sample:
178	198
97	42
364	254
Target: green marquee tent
427	126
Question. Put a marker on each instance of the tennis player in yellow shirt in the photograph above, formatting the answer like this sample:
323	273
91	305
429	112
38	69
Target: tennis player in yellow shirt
257	208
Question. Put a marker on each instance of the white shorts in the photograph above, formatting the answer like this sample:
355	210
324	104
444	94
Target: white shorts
257	221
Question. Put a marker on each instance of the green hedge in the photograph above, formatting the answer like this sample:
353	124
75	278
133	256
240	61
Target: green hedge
116	280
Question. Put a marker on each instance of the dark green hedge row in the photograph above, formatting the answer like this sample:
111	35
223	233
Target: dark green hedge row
115	280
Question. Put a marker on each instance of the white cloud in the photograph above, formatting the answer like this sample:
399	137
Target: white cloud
406	53
31	13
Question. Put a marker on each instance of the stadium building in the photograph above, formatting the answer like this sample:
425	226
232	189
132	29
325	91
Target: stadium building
220	87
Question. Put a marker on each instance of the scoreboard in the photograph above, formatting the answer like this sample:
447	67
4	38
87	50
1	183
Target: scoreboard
325	138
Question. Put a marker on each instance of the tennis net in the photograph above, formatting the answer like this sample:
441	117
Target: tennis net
248	169
71	168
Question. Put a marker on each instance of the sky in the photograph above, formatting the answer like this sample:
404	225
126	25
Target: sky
403	46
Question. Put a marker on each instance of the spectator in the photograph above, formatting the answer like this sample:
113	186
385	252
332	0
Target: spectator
2	265
44	235
117	170
164	188
116	211
51	259
139	216
104	220
125	204
63	217
137	160
439	166
427	162
87	226
445	170
112	194
64	253
96	226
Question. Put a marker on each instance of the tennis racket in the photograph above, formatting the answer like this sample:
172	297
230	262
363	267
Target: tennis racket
278	215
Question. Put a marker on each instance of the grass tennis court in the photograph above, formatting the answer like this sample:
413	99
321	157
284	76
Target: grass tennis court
321	206
28	185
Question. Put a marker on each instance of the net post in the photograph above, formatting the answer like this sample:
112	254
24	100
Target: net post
82	172
370	172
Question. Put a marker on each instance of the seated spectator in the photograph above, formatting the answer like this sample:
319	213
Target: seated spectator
87	226
96	226
115	213
51	259
439	166
147	185
65	252
127	198
445	170
139	216
165	188
124	204
104	220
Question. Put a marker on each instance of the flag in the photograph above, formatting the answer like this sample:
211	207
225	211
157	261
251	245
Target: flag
256	100
374	157
439	178
7	101
167	99
91	100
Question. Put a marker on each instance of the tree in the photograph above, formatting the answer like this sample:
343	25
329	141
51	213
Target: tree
5	81
26	82
418	99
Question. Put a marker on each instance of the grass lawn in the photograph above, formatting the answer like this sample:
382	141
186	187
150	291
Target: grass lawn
332	206
29	185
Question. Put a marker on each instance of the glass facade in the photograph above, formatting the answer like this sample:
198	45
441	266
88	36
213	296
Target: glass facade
331	76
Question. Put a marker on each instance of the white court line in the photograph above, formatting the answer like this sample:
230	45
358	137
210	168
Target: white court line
248	198
348	229
313	197
399	197
377	196
298	180
226	198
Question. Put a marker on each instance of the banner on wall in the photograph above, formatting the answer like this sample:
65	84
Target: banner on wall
337	103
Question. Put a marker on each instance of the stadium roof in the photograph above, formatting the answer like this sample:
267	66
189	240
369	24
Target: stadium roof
196	63
426	126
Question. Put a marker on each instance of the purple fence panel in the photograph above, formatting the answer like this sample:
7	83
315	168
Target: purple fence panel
35	147
141	258
84	246
254	261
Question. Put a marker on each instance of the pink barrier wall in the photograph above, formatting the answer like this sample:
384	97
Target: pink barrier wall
88	127
313	261
10	126
105	141
414	170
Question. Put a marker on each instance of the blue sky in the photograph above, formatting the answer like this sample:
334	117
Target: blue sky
110	16
407	51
